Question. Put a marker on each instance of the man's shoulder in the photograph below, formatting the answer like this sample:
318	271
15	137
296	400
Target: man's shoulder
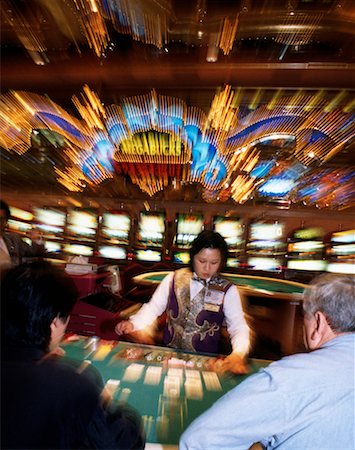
328	362
79	374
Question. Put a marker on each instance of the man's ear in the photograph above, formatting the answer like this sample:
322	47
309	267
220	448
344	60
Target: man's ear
54	323
321	330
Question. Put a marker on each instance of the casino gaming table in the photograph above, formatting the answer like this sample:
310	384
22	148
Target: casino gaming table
168	387
273	307
249	284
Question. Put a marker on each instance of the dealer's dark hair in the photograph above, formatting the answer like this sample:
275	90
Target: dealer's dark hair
32	295
209	239
5	207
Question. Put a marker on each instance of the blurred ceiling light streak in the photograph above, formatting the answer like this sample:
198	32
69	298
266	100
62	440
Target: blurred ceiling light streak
227	35
335	102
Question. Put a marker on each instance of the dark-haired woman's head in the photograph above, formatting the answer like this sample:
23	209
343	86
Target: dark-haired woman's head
35	297
208	254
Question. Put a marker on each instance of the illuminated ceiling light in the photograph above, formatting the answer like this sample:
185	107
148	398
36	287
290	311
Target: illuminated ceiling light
227	35
212	54
256	99
335	102
315	100
237	98
242	188
273	137
274	101
136	20
24	103
212	49
298	30
93	24
162	120
93	6
349	107
74	202
296	100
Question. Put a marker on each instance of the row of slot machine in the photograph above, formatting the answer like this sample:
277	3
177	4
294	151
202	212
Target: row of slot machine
256	246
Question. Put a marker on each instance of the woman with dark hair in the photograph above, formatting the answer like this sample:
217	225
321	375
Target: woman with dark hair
47	401
197	301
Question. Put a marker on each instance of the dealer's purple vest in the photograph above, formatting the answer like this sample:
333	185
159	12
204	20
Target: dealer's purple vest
195	324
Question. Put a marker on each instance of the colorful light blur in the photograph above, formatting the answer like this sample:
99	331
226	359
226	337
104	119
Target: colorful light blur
156	139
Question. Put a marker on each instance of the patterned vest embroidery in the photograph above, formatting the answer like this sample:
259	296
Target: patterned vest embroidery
194	324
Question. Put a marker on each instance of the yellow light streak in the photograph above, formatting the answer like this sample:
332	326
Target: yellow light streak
335	102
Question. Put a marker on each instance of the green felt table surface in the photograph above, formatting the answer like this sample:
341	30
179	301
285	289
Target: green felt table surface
250	282
168	405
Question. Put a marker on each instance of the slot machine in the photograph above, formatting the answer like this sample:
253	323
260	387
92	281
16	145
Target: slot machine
232	230
115	236
305	254
340	252
150	237
188	226
20	222
266	247
51	222
81	233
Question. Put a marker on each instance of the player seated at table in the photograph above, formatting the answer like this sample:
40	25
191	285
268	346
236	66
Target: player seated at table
197	301
47	400
12	247
303	401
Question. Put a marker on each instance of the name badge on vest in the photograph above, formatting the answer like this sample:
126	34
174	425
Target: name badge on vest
211	307
213	300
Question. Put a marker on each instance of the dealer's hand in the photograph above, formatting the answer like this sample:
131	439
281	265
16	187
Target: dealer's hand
234	363
124	327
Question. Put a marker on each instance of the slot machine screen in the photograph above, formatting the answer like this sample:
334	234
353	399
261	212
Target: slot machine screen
181	257
307	264
151	229
230	229
52	247
188	227
309	234
78	249
82	225
18	226
267	264
305	246
266	247
148	255
116	227
20	214
113	252
266	231
19	221
343	250
343	237
50	221
232	263
344	268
